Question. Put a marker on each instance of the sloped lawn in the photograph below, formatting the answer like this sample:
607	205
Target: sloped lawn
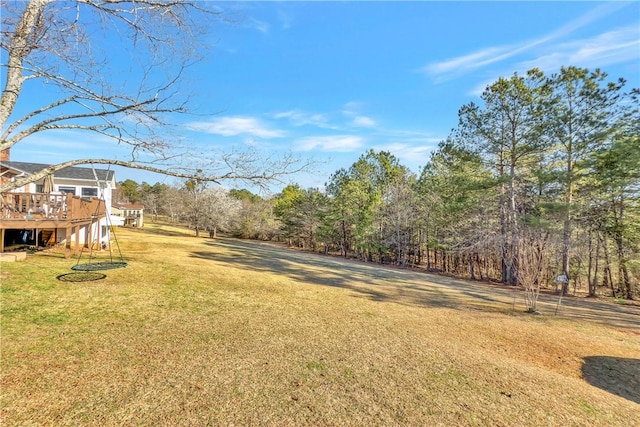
200	332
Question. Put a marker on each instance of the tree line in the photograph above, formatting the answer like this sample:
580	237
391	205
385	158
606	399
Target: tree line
538	184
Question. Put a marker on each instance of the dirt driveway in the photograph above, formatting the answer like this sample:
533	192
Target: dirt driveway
412	287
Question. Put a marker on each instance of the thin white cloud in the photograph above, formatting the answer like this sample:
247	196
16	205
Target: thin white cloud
285	19
343	120
351	110
455	67
351	106
408	151
331	143
613	47
236	125
608	48
261	26
301	118
363	121
467	63
413	156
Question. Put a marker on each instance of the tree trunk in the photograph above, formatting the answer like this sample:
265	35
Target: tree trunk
427	254
590	281
419	246
344	238
504	270
566	232
624	282
597	265
20	45
513	222
471	267
479	262
443	255
608	278
435	258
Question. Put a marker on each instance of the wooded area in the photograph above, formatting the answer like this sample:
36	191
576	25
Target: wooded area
539	180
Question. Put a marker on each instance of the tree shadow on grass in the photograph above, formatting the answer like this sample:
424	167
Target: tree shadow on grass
616	375
370	280
406	286
159	232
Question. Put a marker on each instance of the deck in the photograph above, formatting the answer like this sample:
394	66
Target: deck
43	211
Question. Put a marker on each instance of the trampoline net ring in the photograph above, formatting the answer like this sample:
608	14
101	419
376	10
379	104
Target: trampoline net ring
96	266
82	276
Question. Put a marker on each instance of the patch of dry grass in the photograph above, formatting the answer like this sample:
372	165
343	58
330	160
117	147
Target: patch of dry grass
195	333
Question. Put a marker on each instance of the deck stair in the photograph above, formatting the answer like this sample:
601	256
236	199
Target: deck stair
48	238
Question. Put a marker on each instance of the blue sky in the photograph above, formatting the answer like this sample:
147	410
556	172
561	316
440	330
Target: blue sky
330	80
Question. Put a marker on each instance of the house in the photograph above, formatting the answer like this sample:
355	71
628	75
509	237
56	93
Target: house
70	209
128	214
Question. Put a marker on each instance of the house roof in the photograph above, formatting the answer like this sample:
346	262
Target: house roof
72	172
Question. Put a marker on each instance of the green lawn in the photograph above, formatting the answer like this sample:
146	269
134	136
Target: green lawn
201	332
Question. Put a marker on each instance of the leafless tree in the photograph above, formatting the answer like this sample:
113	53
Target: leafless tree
153	202
61	44
196	204
172	203
532	265
222	210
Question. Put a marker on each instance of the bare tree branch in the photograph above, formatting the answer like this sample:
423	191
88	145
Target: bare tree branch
54	44
239	171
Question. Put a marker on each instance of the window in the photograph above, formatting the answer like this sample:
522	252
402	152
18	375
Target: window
39	188
67	190
89	191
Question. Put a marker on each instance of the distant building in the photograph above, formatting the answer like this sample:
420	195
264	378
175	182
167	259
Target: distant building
128	214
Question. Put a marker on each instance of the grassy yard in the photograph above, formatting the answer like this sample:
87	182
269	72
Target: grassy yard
200	332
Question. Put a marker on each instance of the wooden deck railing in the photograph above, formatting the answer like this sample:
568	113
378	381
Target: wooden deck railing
43	206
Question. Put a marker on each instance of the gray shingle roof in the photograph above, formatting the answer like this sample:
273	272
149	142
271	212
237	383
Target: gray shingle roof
73	172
